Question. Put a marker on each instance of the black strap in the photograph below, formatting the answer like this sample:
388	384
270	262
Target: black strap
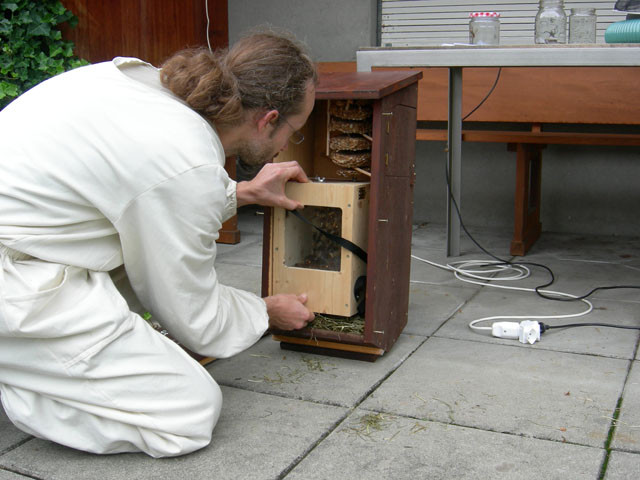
343	242
360	287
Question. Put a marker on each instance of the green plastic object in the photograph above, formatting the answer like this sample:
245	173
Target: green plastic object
627	31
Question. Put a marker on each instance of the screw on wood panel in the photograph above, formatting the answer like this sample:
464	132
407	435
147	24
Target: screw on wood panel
388	114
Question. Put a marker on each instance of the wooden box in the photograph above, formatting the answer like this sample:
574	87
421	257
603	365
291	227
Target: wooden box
390	98
304	260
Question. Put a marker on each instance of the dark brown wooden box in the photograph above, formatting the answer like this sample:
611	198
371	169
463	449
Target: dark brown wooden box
393	96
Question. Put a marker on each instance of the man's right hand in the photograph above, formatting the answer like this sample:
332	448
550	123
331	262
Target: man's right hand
287	311
267	187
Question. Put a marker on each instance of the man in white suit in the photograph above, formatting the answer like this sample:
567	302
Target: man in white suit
120	163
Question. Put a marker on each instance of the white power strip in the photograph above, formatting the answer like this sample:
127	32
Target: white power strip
527	331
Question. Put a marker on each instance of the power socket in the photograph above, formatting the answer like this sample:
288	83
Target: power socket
527	331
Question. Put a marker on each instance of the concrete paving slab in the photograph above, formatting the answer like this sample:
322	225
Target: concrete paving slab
432	236
247	252
268	369
244	277
433	267
586	247
623	466
251	219
608	342
6	475
427	274
548	395
627	433
431	305
456	402
427	250
404	448
580	276
584	262
258	437
10	436
580	263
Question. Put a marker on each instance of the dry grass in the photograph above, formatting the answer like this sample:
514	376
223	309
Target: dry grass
368	424
353	324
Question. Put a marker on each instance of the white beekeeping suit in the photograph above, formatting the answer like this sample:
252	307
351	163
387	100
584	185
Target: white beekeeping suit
101	167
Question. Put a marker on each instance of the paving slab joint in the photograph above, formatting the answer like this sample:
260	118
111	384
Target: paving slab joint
607	446
296	461
20	472
342	419
14	446
616	415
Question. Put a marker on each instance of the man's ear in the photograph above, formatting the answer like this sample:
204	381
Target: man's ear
268	118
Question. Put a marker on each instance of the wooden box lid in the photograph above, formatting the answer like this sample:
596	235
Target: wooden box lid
372	85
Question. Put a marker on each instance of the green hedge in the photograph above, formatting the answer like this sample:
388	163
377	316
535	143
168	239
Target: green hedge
32	48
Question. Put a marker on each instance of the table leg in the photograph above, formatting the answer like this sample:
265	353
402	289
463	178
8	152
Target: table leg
454	159
526	226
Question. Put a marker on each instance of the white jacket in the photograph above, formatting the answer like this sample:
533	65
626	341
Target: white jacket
99	169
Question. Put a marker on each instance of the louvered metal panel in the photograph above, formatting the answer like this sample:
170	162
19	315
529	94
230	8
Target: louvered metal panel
435	22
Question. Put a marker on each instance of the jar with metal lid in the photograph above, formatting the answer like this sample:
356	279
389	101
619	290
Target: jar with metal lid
551	22
582	25
484	28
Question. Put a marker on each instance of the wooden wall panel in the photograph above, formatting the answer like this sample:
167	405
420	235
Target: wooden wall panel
589	95
580	95
148	29
151	30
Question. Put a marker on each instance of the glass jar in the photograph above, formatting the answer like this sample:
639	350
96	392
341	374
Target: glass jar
551	22
582	25
484	28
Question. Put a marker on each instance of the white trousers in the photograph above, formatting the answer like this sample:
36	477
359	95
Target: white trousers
77	367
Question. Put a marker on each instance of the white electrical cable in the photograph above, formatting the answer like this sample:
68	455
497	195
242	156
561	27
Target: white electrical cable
462	270
206	11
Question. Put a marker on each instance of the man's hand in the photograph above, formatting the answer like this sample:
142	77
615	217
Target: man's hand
267	187
287	311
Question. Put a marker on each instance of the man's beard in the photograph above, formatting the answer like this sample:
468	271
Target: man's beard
256	154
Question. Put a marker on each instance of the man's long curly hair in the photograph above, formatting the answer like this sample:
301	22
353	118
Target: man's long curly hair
262	71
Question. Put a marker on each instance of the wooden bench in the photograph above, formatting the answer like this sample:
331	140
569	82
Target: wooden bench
532	107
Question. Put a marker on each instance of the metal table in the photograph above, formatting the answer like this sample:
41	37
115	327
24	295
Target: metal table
457	57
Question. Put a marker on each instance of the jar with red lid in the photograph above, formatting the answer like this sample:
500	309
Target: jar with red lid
484	28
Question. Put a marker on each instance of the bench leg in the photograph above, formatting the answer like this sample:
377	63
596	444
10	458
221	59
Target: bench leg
527	225
230	233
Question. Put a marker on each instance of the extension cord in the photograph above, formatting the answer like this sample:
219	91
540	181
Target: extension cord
527	331
481	273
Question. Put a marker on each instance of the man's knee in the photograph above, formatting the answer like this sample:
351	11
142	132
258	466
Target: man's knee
193	425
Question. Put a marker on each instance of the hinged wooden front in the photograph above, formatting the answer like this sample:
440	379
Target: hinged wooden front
306	261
